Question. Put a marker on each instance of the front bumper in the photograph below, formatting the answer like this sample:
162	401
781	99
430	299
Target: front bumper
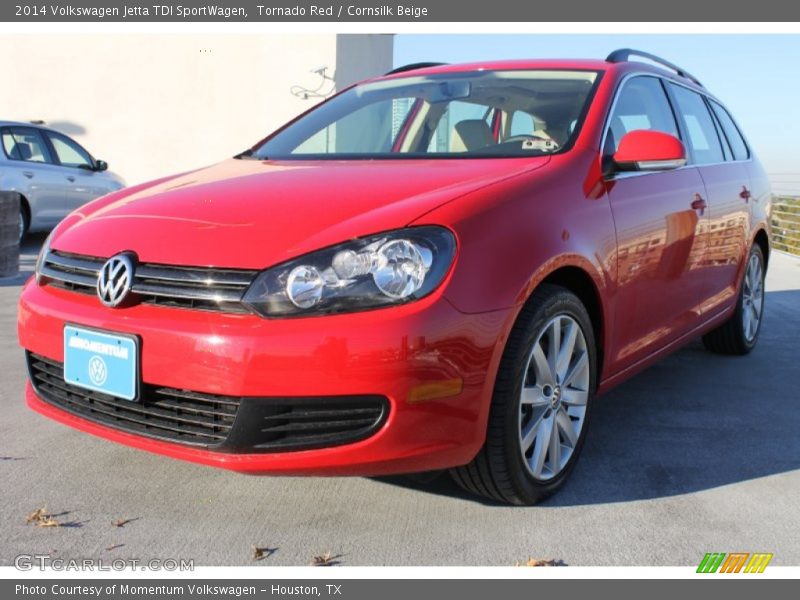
433	364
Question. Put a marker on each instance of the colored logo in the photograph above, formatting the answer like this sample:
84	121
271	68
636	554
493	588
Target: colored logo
735	562
98	372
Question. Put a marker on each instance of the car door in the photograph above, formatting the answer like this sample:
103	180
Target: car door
84	183
726	183
35	174
660	232
731	210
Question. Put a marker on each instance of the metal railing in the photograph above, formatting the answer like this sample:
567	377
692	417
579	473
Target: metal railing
786	223
786	212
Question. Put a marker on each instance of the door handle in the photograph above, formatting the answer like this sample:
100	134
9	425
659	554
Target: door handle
28	174
70	178
699	203
745	194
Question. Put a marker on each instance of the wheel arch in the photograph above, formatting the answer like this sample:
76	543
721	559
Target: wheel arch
762	239
25	205
578	281
25	209
587	282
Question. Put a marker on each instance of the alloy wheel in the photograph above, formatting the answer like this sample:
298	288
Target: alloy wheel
553	397
752	297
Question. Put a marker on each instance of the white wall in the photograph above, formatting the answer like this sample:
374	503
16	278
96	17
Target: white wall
151	105
362	56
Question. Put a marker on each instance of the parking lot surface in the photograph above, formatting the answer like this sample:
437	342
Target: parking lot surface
699	453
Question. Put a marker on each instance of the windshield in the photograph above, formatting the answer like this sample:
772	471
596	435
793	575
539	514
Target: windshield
475	114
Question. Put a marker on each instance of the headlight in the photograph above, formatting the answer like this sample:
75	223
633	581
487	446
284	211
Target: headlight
380	270
41	258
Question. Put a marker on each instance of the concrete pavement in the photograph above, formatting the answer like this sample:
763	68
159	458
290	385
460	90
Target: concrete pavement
699	453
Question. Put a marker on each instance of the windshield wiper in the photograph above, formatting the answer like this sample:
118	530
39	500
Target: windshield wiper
249	155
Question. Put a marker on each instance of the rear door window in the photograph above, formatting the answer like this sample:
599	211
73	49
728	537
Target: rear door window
700	130
25	144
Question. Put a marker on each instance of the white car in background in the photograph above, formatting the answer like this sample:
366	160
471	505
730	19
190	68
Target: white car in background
52	172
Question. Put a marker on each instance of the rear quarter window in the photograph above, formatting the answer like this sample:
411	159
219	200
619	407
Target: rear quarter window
731	131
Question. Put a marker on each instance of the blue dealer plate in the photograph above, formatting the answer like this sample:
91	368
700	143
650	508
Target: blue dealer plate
102	362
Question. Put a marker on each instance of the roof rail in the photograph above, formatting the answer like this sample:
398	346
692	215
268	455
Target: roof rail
414	67
624	54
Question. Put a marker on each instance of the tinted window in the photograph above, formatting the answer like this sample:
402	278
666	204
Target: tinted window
452	117
726	147
702	134
22	143
735	139
69	153
642	104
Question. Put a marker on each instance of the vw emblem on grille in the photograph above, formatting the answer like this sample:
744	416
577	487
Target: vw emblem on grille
115	279
98	372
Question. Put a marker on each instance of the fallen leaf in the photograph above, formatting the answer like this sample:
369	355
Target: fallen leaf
40	518
35	515
261	552
326	560
541	562
47	521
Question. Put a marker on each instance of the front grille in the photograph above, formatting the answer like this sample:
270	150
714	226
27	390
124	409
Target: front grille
222	423
199	288
163	413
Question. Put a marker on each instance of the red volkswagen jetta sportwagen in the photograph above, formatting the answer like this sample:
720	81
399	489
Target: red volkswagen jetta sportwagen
438	268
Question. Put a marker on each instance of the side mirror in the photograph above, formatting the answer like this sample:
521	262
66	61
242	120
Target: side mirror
100	165
646	150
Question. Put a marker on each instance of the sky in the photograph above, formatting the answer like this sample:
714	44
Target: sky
756	76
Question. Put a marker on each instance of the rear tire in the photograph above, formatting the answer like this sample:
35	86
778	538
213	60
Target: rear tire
739	334
541	403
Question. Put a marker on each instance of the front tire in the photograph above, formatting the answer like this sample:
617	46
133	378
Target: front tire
541	403
739	334
24	223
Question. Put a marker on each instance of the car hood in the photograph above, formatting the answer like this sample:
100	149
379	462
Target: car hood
253	214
